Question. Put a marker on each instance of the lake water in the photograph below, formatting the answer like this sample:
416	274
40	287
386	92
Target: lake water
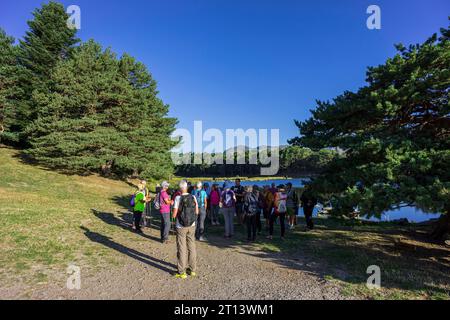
411	213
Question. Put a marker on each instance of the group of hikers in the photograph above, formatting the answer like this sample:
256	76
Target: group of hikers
190	207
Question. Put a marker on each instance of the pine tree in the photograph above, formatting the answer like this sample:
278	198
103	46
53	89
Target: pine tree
396	135
8	92
103	115
48	41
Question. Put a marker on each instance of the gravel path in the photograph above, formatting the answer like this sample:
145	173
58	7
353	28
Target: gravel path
226	271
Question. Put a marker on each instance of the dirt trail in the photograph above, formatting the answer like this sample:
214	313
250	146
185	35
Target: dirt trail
226	271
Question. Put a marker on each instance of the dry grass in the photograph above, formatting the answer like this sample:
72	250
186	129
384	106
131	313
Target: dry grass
40	217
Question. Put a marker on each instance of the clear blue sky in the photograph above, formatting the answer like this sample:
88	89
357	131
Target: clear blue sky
248	63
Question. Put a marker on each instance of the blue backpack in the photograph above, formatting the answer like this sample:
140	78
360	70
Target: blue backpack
132	200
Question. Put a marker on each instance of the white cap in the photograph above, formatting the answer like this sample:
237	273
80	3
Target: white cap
165	184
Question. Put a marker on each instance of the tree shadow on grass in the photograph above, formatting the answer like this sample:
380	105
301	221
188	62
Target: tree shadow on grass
144	258
125	222
344	253
346	257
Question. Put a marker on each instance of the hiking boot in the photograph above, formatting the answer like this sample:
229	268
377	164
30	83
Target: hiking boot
192	273
181	276
269	237
203	239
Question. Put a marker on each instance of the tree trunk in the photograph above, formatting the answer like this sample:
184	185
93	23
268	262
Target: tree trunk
442	227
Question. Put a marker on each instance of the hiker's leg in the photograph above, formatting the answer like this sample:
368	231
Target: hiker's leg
181	250
231	218
308	218
266	218
290	216
225	219
249	227
137	220
254	227
212	209
272	218
282	225
197	226
149	215
241	221
202	216
238	212
162	226
165	224
200	223
258	221
191	249
216	213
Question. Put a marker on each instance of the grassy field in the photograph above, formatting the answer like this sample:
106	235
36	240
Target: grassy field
42	212
411	267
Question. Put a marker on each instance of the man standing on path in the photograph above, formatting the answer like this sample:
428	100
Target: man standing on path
202	197
164	200
185	211
308	203
239	192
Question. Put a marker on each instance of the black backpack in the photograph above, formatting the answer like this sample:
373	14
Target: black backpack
251	204
186	210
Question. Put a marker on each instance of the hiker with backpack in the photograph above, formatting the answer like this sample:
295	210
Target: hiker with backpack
291	204
239	192
146	215
252	206
279	210
268	205
173	221
162	203
185	211
227	207
214	200
201	196
138	202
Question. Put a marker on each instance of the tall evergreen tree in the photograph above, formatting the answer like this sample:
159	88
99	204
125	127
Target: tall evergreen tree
48	41
8	92
396	135
104	114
